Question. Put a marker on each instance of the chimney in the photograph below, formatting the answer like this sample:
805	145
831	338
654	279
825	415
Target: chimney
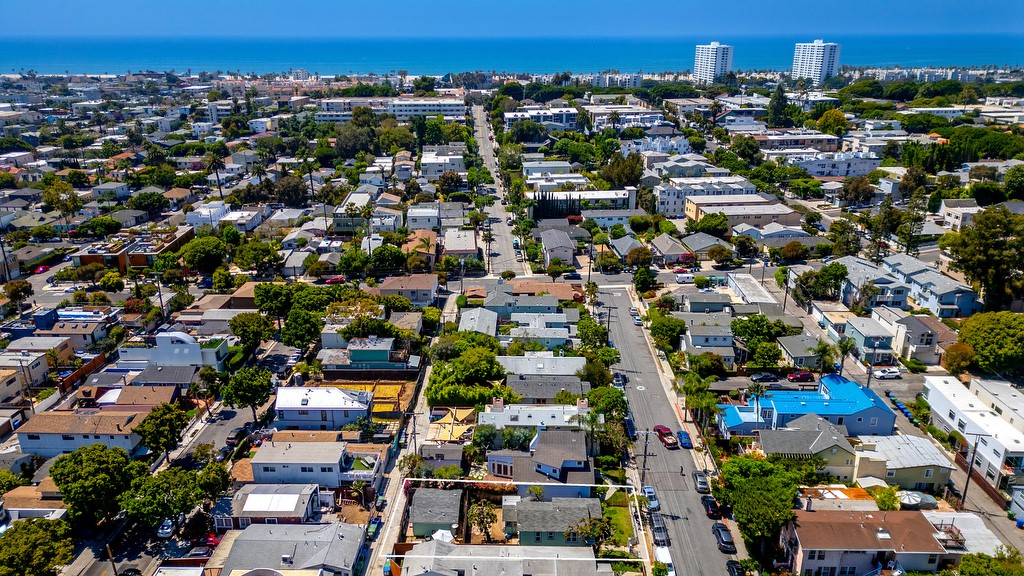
810	505
582	404
497	405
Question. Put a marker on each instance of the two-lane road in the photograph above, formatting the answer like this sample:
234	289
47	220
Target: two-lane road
692	546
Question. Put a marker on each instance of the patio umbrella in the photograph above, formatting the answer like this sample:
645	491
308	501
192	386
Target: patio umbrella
443	536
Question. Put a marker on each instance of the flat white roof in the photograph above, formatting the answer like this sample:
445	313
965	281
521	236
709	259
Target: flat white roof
317	398
971	408
270	502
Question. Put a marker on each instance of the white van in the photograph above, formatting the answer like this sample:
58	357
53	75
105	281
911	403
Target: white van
662	555
684	278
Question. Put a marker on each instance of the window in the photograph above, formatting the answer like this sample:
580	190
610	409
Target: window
933	558
33	436
551	535
890	473
536	536
303	412
983	441
572	537
952	415
327	468
269	469
874	421
961	426
847	570
67	437
306	469
928	472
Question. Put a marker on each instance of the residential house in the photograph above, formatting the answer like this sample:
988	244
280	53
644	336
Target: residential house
435	558
912	336
623	246
420	289
173	349
706	302
119	190
1001	396
433	509
798	351
479	320
671	197
549	522
438	455
910	462
811	436
710	338
873	340
268	504
209	213
367	355
54	433
861	274
865	542
422	242
548	330
300	408
542	389
995	440
423	217
329	549
608	218
460	244
32	365
81	335
836	399
179	377
326	464
502	302
557	246
559	460
958	212
932	290
129	218
544	362
668	251
542	417
61	345
700	243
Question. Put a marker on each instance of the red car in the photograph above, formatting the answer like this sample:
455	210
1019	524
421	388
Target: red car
801	376
42	269
335	280
680	271
666	436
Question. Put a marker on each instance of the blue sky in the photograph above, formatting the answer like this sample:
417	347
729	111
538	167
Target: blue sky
488	18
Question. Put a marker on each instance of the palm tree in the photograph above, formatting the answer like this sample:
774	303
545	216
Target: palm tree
714	109
757	390
613	119
844	347
215	164
822	352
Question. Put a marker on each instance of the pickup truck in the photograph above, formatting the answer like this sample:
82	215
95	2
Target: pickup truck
666	436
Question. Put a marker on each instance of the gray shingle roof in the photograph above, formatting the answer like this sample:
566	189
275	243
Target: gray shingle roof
807	435
558	515
434	506
332	547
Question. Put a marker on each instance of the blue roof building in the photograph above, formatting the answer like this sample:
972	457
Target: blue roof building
838	400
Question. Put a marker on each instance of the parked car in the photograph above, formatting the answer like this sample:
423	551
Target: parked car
700	482
167	528
653	504
680	271
800	376
200	552
42	269
710	507
630	428
764	377
666	436
210	540
573	276
723	538
734	568
637	321
235	436
659	532
684	439
634	312
618	379
886	373
335	280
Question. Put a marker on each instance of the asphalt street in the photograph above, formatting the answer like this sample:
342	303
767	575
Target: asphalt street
692	546
502	255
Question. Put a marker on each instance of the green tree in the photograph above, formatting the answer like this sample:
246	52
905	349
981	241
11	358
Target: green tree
161	429
592	334
386	260
62	197
887	498
9	480
204	254
958	358
640	257
720	254
761	496
822	352
301	328
18	291
92	479
596	531
715	224
777	117
152	203
844	237
767	355
249	387
555	269
833	122
1013	183
997	339
166	494
844	347
909	232
213	480
111	282
35	547
644	280
481	516
252	328
990	253
793	251
609	402
262	257
214	163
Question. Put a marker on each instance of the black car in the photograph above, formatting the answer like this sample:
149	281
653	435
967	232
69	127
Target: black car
734	568
235	436
723	538
764	377
710	507
630	428
573	276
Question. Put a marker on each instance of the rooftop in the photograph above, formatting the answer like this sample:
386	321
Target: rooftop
305	452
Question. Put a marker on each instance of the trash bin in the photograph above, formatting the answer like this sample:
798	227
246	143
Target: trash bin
1020	523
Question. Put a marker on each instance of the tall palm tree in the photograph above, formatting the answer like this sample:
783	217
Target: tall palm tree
614	119
757	390
822	352
844	347
714	109
215	164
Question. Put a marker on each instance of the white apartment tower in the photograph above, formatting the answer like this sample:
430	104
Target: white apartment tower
817	61
711	62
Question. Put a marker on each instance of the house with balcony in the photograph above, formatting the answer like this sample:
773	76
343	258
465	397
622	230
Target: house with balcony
54	433
326	464
873	340
836	399
173	349
858	543
300	408
862	274
993	439
932	290
367	356
505	304
210	213
557	458
913	336
712	338
331	549
540	416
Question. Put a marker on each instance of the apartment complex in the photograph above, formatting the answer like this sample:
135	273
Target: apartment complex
817	61
712	61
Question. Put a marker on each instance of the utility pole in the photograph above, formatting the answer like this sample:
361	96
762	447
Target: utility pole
110	556
590	262
874	345
643	466
970	465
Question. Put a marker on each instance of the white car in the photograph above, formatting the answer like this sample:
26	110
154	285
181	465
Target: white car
166	529
886	373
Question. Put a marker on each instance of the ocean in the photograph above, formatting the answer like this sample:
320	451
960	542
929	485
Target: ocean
439	56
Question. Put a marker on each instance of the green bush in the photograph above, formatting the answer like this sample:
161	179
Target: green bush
914	365
236	357
461	301
607	462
